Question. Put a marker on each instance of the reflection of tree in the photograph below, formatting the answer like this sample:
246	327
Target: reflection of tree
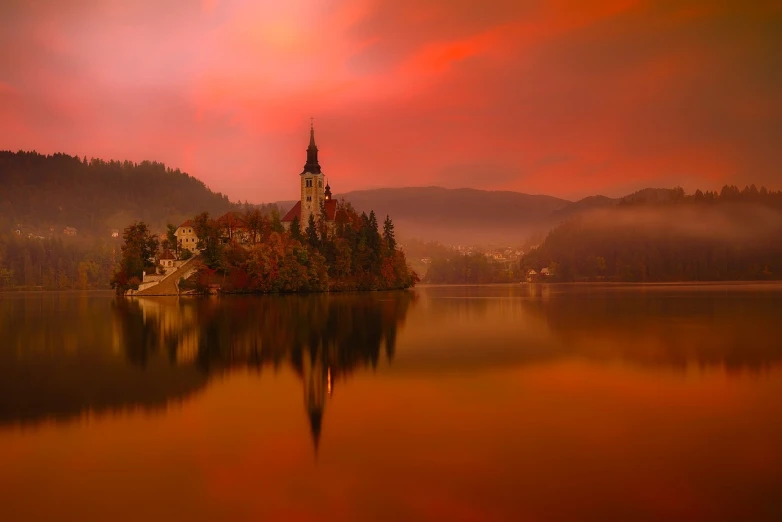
666	327
62	355
322	337
59	358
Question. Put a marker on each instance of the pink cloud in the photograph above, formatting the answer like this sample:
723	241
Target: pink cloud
560	97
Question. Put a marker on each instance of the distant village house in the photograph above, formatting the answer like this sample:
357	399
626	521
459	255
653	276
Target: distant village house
186	236
69	231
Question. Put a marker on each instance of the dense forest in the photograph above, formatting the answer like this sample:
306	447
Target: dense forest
44	194
474	268
55	263
706	236
349	254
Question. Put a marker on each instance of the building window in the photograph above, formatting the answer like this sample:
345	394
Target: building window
309	198
320	183
308	183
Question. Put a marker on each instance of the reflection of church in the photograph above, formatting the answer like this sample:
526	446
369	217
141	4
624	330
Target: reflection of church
321	338
317	388
314	196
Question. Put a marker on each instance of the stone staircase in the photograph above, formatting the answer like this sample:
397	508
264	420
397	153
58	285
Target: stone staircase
170	284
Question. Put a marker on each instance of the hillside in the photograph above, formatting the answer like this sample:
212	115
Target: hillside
659	239
43	192
458	216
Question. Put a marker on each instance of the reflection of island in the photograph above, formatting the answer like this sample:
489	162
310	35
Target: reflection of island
63	360
322	337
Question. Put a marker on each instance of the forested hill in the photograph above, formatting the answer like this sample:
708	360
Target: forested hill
706	236
459	216
56	191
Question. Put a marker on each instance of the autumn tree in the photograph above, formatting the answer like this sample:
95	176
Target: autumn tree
138	254
208	232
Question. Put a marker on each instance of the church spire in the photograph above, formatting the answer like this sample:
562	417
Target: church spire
312	166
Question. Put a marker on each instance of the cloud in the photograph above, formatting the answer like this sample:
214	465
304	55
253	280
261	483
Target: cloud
631	92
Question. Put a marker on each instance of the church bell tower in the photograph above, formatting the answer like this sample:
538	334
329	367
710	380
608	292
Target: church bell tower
312	193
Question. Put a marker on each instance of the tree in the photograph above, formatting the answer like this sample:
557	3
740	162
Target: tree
295	229
171	239
274	217
208	232
138	254
312	232
388	234
254	220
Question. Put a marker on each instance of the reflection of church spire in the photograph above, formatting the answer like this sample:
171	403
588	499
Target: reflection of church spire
317	386
316	419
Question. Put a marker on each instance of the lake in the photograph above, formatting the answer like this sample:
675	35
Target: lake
485	403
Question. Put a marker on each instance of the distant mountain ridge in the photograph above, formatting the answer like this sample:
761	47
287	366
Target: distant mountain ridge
42	192
60	190
457	216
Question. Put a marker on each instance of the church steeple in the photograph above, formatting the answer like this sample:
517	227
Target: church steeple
312	166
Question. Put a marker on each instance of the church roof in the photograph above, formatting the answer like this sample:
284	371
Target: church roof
331	211
294	212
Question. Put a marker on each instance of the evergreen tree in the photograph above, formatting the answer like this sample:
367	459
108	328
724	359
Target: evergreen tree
388	234
312	232
171	239
295	230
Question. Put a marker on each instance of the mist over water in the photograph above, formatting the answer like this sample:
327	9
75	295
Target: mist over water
651	402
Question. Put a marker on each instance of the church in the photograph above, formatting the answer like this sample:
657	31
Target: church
313	192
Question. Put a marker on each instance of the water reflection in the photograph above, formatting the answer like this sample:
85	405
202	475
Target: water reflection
323	338
66	354
735	327
498	403
55	364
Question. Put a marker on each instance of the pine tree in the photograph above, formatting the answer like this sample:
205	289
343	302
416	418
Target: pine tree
296	229
388	234
312	232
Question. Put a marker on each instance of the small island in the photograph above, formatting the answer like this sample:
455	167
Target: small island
320	245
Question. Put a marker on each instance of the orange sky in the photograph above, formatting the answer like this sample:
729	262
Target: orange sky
539	97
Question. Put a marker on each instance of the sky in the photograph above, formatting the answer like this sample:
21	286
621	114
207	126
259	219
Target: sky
559	97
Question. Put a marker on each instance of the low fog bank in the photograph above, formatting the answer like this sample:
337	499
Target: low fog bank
686	242
730	223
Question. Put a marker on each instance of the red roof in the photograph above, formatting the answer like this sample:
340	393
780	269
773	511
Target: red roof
188	223
331	211
294	212
234	219
167	255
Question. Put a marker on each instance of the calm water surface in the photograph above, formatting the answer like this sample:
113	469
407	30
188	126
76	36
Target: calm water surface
527	402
